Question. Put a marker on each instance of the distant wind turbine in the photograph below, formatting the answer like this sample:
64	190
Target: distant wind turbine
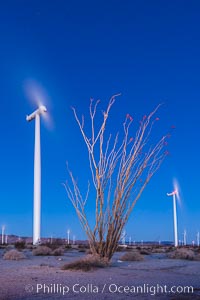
198	238
174	193
74	239
185	237
2	233
68	232
37	173
123	237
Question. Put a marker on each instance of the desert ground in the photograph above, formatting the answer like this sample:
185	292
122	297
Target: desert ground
156	277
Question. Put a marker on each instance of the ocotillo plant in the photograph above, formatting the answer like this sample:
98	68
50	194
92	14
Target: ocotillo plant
121	167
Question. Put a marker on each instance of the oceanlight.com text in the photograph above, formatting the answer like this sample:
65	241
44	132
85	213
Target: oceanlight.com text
111	288
150	289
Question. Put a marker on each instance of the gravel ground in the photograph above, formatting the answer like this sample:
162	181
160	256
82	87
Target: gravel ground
42	278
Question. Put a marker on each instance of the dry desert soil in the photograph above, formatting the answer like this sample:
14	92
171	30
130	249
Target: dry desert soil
41	277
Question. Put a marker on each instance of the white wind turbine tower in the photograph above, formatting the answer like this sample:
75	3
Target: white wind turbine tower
174	193
185	237
2	233
123	237
37	174
68	233
74	239
198	238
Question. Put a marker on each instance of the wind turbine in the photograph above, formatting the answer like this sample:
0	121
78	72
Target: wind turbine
74	239
174	193
2	233
123	237
198	238
37	173
185	237
68	233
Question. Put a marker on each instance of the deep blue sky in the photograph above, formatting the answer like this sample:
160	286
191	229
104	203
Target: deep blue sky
148	51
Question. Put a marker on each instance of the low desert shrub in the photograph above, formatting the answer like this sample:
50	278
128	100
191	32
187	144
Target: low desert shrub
197	257
29	246
158	250
132	256
13	255
182	253
68	246
198	249
42	251
120	248
83	246
169	249
20	245
58	251
82	250
85	264
145	252
54	243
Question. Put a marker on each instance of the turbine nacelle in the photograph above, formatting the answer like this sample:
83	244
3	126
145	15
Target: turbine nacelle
175	192
38	111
